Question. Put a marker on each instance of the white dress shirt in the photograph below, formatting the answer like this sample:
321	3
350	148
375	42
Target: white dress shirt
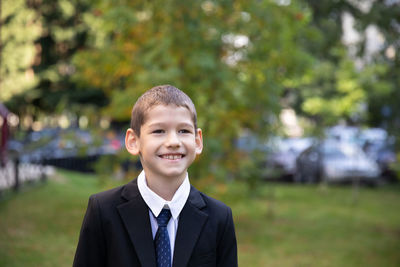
157	203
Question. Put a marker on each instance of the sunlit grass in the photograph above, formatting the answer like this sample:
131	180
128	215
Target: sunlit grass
40	225
280	225
288	225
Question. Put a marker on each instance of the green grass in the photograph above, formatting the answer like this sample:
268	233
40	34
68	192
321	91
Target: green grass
289	225
40	225
281	225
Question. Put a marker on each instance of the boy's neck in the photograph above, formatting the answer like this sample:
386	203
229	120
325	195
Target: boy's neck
164	187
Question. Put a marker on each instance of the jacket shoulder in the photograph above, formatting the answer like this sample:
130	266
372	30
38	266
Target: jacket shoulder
214	202
215	206
114	196
109	194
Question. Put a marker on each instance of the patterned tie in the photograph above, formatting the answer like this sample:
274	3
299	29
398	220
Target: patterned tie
161	240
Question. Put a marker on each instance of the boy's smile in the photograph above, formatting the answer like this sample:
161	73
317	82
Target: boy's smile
168	142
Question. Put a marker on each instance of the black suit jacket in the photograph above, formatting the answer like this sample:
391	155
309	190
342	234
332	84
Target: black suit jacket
116	232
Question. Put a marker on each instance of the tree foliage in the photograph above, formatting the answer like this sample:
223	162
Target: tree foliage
229	56
62	34
337	88
382	77
239	60
20	27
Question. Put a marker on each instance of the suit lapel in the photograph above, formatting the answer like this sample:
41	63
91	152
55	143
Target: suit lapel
191	221
135	215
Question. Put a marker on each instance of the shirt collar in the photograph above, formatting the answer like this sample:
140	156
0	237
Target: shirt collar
157	203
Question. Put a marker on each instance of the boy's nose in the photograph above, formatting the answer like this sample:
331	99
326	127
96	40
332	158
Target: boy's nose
173	140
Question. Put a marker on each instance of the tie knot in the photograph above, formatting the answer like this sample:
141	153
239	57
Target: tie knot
163	217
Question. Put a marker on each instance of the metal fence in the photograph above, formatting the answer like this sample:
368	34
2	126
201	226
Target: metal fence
14	174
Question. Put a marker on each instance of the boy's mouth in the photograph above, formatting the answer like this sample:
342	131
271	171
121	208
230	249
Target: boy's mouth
172	156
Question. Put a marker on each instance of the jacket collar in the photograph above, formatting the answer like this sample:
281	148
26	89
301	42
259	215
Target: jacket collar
191	222
135	216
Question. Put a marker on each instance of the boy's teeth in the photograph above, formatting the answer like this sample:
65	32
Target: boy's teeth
172	156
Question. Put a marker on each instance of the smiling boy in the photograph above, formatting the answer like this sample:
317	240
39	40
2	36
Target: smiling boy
159	219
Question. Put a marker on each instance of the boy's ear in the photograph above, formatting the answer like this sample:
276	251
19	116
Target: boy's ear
132	142
199	141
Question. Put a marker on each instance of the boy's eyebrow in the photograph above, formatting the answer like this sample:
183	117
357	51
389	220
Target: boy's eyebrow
161	124
186	125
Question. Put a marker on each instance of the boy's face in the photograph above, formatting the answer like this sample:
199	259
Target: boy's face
168	142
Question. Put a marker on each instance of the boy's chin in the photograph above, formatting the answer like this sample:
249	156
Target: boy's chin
174	175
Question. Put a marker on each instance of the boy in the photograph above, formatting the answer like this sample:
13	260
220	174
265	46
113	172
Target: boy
159	219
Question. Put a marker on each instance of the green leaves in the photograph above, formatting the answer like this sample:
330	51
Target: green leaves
240	61
20	27
333	92
230	57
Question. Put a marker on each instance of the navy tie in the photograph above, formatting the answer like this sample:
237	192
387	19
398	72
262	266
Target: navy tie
161	240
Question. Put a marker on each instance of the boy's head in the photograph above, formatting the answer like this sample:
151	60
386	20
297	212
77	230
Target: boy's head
164	133
160	95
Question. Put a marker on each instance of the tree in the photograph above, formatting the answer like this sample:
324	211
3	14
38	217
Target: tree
371	96
229	56
20	27
62	34
382	76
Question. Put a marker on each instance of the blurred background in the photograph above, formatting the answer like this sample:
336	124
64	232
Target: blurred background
297	100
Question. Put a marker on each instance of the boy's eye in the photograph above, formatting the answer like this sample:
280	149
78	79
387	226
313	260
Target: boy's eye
185	131
158	131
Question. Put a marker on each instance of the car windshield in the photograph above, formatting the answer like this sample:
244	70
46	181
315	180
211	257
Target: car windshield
340	150
332	152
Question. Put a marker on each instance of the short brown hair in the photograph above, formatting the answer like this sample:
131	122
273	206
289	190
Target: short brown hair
160	95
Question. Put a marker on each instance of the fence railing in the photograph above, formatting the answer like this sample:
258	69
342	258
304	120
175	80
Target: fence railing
14	174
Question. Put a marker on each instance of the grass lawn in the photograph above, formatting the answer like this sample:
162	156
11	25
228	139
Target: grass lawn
281	225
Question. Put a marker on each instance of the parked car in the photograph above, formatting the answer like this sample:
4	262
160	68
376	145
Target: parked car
380	147
334	161
52	144
343	133
281	159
